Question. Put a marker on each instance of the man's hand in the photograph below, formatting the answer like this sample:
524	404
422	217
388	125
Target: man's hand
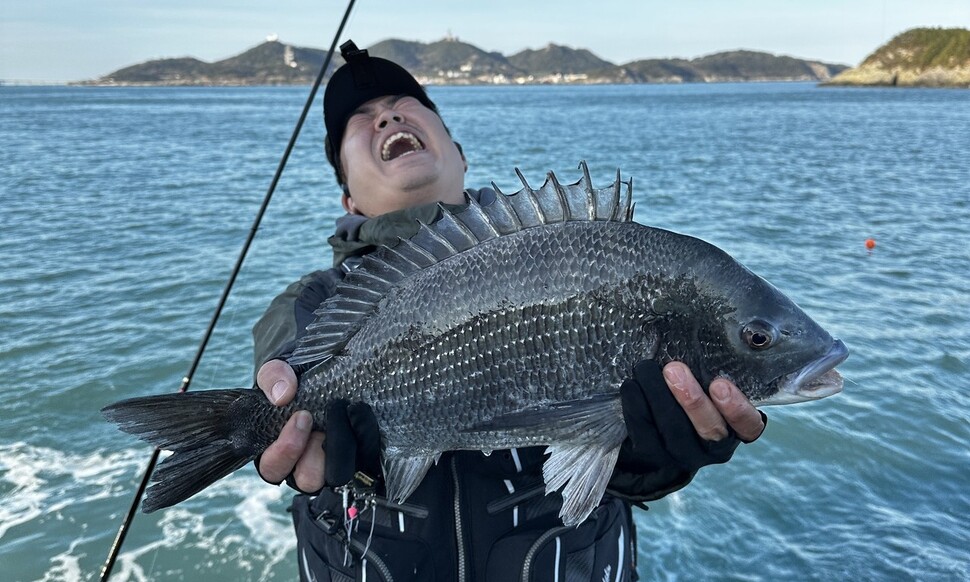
297	451
674	426
711	416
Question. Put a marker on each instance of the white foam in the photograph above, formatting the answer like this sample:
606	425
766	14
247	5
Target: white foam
272	528
23	503
67	566
46	480
241	520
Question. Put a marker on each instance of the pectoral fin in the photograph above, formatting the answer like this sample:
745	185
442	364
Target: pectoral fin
569	419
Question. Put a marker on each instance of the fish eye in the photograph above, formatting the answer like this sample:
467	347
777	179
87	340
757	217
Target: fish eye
758	335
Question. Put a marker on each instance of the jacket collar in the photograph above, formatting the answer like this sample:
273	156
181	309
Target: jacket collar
358	235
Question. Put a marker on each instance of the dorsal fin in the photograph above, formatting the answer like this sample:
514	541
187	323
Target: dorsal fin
360	292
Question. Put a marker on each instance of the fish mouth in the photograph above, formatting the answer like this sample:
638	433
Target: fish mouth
817	380
400	144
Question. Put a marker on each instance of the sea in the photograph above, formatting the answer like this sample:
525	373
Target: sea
123	211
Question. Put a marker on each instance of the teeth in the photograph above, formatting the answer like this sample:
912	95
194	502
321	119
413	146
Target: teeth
411	139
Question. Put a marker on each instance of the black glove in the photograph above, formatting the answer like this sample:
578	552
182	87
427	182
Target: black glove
663	450
353	442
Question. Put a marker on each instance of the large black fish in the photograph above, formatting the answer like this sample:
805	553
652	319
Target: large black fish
506	325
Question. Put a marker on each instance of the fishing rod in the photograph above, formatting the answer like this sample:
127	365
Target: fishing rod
129	517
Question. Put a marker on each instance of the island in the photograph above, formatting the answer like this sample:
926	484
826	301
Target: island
453	62
921	57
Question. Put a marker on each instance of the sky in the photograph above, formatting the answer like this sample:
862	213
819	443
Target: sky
69	40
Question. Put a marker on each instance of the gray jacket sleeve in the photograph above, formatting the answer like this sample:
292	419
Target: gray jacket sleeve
276	333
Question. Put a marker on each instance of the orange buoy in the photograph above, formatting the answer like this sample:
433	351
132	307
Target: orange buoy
870	243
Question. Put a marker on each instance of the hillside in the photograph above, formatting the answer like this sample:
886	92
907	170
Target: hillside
922	57
447	61
558	60
732	66
270	63
452	62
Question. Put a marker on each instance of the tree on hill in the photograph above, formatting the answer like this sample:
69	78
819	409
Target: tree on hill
922	57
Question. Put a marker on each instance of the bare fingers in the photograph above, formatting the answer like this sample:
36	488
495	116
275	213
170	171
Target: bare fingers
309	470
705	417
737	410
277	380
281	457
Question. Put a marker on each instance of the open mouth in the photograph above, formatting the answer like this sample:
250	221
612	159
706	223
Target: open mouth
816	380
400	144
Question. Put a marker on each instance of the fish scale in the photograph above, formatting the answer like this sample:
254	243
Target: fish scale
470	389
506	325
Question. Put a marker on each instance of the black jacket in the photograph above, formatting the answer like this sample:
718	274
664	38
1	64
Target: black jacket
474	517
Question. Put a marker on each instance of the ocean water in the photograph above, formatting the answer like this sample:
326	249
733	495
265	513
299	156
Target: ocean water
122	211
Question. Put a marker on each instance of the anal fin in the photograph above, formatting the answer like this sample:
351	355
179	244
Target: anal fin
403	473
585	471
587	433
582	465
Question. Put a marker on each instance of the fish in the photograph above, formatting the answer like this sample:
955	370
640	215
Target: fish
508	324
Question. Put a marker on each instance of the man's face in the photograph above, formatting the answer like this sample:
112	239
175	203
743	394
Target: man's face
396	154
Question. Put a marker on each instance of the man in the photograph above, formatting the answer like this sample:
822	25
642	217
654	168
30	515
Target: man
474	517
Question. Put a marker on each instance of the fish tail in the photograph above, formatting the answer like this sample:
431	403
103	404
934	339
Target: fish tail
209	432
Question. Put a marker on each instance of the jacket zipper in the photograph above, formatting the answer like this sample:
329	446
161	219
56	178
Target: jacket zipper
527	565
459	535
